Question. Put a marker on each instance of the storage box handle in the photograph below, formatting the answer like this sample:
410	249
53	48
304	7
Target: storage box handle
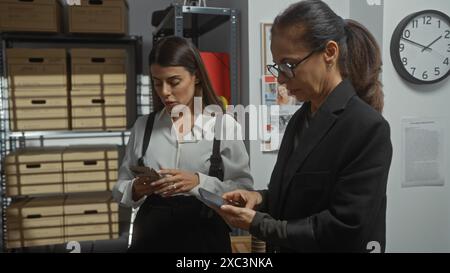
36	60
95	2
33	166
98	101
93	211
98	60
90	162
38	101
34	216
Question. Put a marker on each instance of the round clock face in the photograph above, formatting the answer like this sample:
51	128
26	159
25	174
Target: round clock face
420	47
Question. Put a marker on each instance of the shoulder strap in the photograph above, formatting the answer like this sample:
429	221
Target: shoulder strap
147	135
216	169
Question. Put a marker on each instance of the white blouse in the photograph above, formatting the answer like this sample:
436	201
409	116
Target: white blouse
190	154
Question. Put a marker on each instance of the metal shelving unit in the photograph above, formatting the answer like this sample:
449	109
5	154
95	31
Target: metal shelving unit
193	22
10	141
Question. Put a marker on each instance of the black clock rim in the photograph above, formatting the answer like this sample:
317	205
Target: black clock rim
395	41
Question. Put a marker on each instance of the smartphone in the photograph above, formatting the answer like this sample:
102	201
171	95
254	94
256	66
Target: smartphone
214	200
146	171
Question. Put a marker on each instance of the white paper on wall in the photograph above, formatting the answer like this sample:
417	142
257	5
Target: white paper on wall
423	152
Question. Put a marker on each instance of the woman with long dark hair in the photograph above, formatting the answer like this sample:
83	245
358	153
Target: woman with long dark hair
327	191
170	217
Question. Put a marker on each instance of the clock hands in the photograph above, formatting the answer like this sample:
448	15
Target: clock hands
424	47
428	46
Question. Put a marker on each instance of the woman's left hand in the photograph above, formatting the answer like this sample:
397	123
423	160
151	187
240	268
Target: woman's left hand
237	217
175	181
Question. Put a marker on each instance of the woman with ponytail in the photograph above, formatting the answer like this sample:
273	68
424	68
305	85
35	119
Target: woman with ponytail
327	192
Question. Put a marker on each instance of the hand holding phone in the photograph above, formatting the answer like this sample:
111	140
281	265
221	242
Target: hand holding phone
214	200
139	171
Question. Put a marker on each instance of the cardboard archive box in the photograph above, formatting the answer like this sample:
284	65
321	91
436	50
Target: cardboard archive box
30	16
88	169
34	171
93	216
99	16
38	96
35	221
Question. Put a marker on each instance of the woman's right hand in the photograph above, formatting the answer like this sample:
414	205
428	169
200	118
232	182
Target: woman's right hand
249	199
142	187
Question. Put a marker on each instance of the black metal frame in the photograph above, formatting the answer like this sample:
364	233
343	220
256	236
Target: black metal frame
203	20
9	141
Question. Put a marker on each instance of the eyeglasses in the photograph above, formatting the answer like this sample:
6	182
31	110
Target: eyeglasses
288	69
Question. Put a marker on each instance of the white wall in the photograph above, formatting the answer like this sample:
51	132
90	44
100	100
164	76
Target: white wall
418	219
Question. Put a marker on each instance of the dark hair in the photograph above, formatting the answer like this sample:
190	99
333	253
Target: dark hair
177	51
314	24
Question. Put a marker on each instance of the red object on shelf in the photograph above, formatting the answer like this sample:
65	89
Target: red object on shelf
217	66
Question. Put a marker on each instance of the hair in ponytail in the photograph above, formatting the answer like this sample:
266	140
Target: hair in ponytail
360	61
314	24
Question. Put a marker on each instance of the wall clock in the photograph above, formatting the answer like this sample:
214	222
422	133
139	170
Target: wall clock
420	47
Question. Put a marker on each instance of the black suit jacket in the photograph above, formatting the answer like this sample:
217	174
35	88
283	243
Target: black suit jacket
332	188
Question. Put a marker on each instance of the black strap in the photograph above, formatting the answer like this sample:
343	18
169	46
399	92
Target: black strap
147	135
215	168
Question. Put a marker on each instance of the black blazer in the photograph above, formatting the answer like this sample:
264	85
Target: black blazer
332	188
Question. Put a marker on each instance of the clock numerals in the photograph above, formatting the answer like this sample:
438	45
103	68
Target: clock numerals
427	20
437	71
407	33
439	23
402	47
448	49
405	61
415	23
413	69
447	34
446	61
425	75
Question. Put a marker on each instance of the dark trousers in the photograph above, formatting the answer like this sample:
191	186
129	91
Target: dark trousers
178	224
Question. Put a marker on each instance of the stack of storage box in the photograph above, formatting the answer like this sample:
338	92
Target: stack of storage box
38	171
99	89
39	100
55	220
38	89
